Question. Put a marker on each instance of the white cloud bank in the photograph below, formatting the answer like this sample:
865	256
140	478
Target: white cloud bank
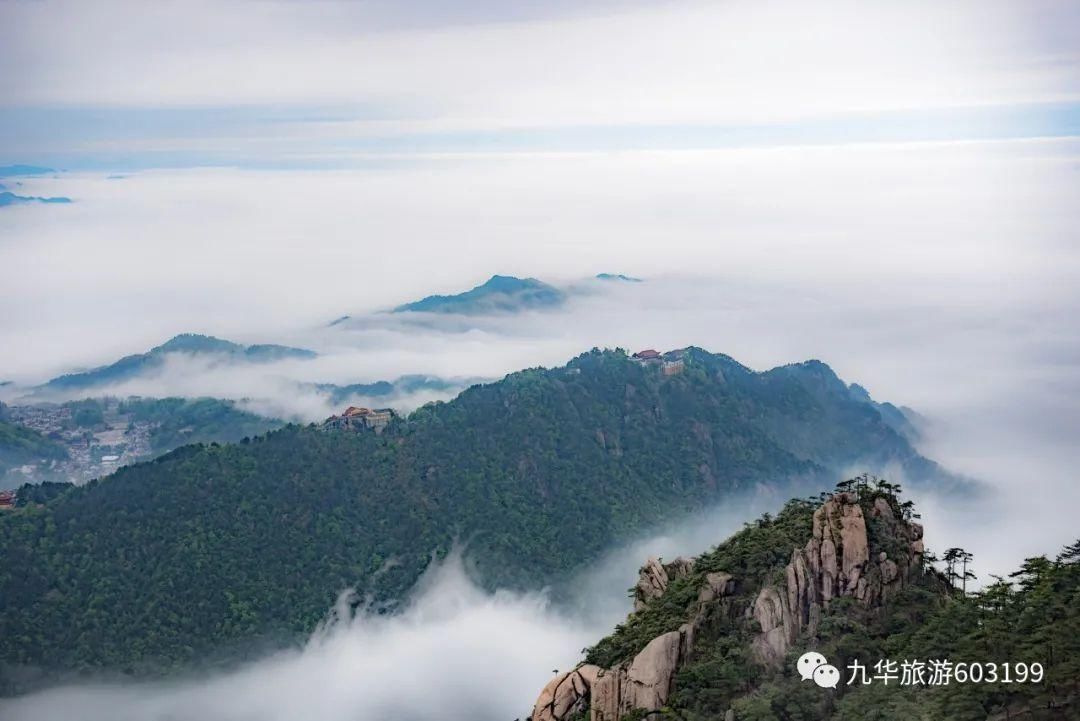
260	256
940	276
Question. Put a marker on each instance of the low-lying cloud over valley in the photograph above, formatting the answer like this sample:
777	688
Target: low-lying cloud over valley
938	276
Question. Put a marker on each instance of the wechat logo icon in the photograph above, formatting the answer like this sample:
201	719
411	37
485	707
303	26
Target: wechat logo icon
813	666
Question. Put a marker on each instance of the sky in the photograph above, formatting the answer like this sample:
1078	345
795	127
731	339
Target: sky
284	84
890	188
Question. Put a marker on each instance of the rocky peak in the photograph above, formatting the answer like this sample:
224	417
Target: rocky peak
566	695
836	561
840	558
654	577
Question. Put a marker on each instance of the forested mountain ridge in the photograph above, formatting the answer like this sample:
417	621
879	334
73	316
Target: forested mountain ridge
217	546
845	576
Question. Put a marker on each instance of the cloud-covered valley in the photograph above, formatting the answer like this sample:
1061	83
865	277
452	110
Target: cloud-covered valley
938	276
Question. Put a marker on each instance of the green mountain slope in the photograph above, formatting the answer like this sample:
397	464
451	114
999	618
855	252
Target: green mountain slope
845	576
179	421
223	545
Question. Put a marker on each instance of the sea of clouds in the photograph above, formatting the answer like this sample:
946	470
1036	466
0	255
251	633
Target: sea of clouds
940	276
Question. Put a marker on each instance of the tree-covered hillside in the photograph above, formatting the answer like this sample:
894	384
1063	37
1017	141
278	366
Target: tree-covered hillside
920	616
217	546
179	421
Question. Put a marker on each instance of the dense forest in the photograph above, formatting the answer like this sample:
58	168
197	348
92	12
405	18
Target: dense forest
226	548
1032	616
179	421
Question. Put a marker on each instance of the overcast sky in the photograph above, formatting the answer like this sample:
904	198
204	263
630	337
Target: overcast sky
315	84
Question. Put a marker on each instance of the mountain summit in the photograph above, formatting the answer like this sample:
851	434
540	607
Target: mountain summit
217	545
191	344
841	582
500	294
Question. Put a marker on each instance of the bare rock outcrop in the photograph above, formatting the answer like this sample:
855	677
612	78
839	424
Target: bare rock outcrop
836	561
654	577
565	695
839	548
773	615
645	683
716	586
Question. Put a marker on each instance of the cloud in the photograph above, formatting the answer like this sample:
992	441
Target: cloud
615	66
938	275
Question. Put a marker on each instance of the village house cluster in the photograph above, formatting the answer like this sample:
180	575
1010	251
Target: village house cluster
116	441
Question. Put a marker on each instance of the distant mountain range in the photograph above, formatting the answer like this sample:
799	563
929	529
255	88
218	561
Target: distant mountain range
192	344
402	386
500	294
8	198
227	545
204	346
12	171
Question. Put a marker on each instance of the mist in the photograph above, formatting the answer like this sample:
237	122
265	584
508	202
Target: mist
940	276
